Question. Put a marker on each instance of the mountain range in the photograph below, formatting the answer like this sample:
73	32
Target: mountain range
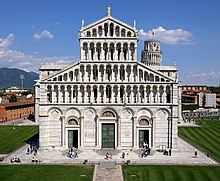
12	77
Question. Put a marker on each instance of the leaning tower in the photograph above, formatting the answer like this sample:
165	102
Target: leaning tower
151	55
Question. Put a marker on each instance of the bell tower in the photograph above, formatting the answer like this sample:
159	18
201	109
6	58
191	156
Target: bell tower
151	55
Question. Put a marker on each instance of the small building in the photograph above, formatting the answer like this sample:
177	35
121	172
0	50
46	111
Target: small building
16	110
207	100
218	98
190	94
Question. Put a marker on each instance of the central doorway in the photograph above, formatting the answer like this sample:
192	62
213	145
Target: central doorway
143	136
72	138
108	135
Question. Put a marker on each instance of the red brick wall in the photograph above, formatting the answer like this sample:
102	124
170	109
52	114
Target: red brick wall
14	113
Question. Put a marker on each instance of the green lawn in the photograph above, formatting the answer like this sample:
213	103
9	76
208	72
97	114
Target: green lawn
206	137
13	137
171	173
45	172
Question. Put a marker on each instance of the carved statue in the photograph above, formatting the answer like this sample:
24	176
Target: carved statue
83	23
109	11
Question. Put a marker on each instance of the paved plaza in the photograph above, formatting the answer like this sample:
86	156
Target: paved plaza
183	156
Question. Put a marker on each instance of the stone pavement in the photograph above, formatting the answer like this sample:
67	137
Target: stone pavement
105	173
20	122
183	156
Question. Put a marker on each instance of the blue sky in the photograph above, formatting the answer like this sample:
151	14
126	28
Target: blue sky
46	31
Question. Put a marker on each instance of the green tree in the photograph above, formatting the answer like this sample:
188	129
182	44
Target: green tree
13	98
214	89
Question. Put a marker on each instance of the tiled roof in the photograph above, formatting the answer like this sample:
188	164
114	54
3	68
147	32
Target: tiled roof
11	104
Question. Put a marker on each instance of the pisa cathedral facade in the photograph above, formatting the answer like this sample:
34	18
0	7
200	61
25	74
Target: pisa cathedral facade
108	99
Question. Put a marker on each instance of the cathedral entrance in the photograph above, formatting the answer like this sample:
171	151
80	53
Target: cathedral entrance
108	135
72	138
143	136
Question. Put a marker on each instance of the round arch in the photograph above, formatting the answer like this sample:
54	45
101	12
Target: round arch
54	109
108	109
144	109
73	111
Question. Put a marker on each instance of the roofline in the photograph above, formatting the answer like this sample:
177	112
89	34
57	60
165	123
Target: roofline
106	18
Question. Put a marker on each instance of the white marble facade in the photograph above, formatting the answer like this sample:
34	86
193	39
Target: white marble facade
108	99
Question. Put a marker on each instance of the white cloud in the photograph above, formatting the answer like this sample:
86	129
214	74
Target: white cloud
57	23
178	36
44	34
5	43
16	59
201	78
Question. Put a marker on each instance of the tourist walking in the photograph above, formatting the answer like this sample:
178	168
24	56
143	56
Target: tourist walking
195	153
170	152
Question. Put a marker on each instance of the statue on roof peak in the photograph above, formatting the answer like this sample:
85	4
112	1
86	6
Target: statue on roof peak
108	10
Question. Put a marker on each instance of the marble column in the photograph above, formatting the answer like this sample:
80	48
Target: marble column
104	94
135	132
119	94
145	94
62	131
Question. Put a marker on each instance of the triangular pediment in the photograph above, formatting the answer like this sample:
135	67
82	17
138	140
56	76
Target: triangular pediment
67	69
158	76
108	20
69	74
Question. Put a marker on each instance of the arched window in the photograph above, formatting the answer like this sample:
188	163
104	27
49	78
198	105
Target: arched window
88	34
105	48
117	31
98	49
72	122
62	91
118	50
100	30
60	78
161	91
122	73
142	93
144	122
108	72
129	34
85	48
148	91
151	77
94	33
111	29
125	51
122	92
108	114
106	29
123	33
95	73
132	49
154	94
157	79
112	48
168	94
109	93
95	93
71	75
65	77
49	94
92	49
